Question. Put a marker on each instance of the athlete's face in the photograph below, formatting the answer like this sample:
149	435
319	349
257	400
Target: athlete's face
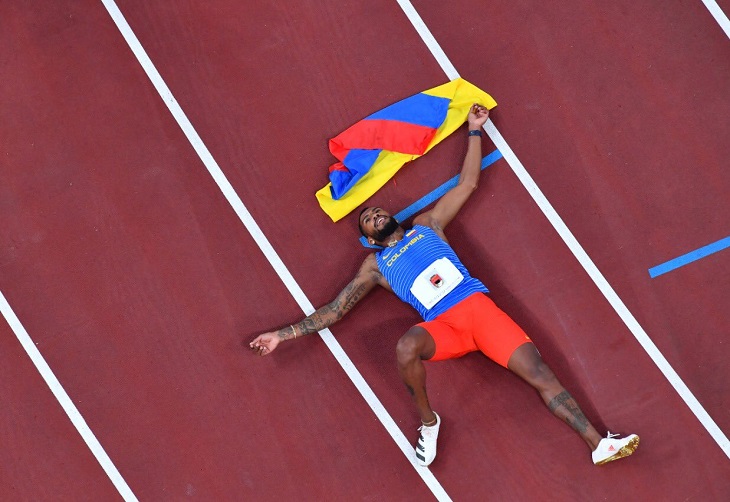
377	224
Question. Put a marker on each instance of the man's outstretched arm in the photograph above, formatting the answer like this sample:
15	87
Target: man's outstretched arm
365	280
449	205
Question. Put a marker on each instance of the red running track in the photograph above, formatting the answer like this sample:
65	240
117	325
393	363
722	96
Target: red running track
140	285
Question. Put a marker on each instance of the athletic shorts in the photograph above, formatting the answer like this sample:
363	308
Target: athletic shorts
475	323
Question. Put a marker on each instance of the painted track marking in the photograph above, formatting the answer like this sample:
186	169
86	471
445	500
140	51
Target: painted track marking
65	401
719	15
690	257
561	228
271	255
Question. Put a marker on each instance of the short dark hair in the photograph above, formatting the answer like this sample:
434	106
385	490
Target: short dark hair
359	225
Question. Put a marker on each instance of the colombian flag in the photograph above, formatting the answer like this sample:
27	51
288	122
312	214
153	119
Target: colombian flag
374	149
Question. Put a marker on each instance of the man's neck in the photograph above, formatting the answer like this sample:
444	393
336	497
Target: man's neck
394	238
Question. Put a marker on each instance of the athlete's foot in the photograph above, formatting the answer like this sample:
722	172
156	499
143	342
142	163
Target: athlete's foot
610	449
426	445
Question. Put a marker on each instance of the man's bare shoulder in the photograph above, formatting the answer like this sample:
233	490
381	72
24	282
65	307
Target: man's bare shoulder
369	271
427	220
424	219
370	265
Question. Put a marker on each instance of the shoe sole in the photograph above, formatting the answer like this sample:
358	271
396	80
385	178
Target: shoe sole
625	451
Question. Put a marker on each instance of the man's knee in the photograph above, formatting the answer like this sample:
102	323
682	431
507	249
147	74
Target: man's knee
413	345
539	374
528	364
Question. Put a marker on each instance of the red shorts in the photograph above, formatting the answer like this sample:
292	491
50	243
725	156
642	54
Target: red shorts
475	323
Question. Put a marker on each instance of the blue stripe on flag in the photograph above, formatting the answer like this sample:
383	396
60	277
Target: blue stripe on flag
421	109
358	162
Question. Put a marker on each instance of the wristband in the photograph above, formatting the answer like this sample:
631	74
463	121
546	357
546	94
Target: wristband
475	132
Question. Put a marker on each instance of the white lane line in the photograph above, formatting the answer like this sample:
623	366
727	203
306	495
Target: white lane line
608	292
235	201
557	222
65	401
719	15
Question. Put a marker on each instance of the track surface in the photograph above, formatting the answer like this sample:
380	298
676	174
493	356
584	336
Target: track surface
141	287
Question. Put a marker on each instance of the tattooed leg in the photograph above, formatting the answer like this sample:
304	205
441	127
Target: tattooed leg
414	346
564	407
527	363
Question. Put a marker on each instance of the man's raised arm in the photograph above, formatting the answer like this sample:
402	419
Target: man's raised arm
365	280
449	205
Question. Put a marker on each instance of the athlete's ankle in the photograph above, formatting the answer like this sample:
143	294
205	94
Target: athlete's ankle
430	423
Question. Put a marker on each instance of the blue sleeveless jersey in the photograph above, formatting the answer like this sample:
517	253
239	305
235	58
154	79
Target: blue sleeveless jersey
419	266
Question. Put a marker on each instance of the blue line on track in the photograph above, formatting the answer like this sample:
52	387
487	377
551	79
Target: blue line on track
435	195
689	257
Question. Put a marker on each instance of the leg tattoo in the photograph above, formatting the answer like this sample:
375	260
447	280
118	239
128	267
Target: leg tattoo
564	406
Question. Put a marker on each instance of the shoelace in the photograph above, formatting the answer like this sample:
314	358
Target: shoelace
425	428
611	436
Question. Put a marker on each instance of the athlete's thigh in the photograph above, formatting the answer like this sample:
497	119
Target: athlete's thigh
449	340
496	335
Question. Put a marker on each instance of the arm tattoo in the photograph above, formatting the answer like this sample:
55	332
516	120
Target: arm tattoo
352	296
333	311
284	333
570	411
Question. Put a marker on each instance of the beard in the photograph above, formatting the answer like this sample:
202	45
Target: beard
391	225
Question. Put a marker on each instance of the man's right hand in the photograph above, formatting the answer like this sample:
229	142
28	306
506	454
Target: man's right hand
366	279
265	344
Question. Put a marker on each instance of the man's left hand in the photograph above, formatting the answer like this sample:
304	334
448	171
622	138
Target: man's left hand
478	116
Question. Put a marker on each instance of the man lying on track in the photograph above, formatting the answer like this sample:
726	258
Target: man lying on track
419	266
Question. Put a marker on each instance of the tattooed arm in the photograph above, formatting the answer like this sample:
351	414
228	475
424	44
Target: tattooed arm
365	280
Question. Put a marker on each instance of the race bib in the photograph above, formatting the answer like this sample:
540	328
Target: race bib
437	281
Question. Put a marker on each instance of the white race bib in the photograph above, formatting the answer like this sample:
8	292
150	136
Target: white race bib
438	280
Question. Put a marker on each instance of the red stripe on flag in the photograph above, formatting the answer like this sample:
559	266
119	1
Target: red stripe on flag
390	135
338	166
337	148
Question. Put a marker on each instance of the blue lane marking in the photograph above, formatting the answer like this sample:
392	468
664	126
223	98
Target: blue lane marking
689	257
435	195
